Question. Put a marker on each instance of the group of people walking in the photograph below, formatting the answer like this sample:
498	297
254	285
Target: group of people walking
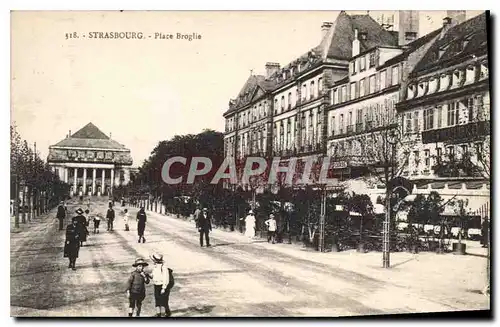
77	231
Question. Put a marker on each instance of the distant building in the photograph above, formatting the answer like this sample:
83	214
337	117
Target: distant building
90	161
364	78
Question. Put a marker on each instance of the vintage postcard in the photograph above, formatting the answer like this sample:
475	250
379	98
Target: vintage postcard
177	164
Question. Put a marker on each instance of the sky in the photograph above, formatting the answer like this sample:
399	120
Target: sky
145	91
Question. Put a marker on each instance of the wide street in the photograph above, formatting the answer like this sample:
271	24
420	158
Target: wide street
235	277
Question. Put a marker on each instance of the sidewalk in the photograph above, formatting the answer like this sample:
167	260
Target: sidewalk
453	279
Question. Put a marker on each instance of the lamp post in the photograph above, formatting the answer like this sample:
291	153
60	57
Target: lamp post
393	137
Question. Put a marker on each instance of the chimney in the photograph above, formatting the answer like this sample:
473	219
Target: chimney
69	134
324	28
408	26
446	26
271	68
355	44
110	135
457	16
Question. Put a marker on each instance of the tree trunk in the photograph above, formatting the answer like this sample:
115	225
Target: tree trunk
30	198
23	204
16	204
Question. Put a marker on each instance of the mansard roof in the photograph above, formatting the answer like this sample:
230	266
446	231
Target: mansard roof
90	137
459	43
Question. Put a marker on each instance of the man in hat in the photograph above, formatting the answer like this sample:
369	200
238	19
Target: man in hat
271	228
141	224
72	243
110	216
163	280
136	287
81	221
204	225
61	214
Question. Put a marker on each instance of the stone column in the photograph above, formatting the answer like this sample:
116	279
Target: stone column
75	173
94	172
66	174
103	186
84	188
112	179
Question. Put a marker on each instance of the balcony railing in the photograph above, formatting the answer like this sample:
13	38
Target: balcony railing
456	133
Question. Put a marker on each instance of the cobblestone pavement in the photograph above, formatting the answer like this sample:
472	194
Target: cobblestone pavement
235	277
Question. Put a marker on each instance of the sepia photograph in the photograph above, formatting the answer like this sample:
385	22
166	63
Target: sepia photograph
243	164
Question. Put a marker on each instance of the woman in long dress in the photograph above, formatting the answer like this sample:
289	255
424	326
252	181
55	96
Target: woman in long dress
250	225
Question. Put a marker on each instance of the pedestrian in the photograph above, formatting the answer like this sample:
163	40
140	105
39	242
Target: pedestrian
141	224
97	222
204	225
250	224
110	216
136	287
197	213
485	231
271	228
61	214
126	219
81	226
72	243
163	280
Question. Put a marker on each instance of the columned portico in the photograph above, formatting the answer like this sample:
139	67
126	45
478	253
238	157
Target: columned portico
94	172
90	151
84	184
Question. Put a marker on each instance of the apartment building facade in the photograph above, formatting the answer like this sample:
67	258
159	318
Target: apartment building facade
445	113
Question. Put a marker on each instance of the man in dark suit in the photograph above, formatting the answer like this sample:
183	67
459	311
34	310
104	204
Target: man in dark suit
72	243
61	214
204	225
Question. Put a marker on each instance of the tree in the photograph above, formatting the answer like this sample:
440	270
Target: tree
361	204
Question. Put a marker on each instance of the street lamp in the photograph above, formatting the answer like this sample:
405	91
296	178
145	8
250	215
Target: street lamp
393	137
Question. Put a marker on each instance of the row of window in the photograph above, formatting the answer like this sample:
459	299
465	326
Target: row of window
453	113
365	119
309	91
360	64
89	154
447	80
366	86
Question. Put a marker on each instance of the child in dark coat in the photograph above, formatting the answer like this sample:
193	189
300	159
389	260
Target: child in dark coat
136	287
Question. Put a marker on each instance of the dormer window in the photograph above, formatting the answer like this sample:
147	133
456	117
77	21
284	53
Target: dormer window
432	85
411	92
484	71
457	78
421	89
284	75
470	74
444	82
442	51
464	44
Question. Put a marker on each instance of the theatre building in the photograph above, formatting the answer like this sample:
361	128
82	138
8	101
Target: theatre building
90	162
